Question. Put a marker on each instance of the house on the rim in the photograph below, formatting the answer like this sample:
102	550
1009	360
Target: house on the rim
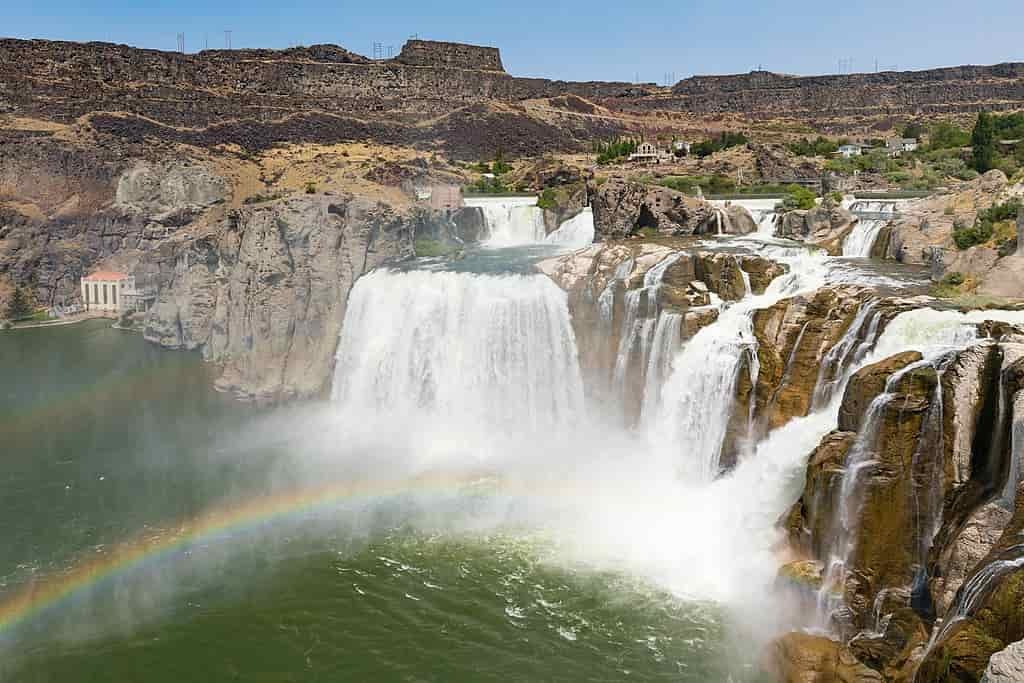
111	291
647	153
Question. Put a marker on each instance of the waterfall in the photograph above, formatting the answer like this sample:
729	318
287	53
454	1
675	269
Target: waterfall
638	324
459	348
856	341
874	216
575	233
862	238
663	347
1016	451
511	221
698	399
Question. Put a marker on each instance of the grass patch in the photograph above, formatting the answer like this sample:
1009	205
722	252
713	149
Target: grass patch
429	248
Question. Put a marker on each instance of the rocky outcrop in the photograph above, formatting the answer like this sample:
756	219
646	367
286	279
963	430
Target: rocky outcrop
457	55
264	293
623	208
824	226
804	658
866	96
1006	666
161	188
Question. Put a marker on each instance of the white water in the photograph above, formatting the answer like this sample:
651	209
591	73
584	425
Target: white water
761	210
511	221
490	352
575	233
862	238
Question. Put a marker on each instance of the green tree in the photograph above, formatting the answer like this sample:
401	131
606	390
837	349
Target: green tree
983	142
18	307
947	135
499	166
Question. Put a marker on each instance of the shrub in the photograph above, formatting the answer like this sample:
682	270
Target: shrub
798	198
310	187
819	147
954	279
18	307
614	150
547	199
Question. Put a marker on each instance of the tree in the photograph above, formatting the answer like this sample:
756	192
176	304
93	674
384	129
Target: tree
983	142
18	307
913	130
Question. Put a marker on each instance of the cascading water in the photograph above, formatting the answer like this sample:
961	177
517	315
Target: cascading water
874	215
576	232
515	364
511	221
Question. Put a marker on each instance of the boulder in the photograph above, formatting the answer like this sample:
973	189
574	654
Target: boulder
804	658
1006	666
824	226
624	208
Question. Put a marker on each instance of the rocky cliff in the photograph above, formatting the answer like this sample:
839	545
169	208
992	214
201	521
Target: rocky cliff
762	94
264	293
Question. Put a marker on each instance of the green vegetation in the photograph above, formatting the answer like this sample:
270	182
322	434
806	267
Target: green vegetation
983	146
310	187
945	135
18	307
819	147
798	198
723	141
499	167
614	150
426	247
995	222
547	199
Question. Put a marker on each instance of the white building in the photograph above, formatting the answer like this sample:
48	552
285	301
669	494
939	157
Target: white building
680	146
850	150
897	146
646	152
110	291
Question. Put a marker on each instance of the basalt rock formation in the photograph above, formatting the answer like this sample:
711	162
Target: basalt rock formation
825	226
910	493
623	208
264	293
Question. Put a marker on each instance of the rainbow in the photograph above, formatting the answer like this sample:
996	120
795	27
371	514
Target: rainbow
53	591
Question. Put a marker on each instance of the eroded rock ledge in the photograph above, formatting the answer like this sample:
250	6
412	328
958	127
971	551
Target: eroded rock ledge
264	292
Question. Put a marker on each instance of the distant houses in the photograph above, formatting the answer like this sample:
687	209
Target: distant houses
897	146
851	149
648	153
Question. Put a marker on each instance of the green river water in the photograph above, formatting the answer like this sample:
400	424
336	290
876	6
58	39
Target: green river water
104	437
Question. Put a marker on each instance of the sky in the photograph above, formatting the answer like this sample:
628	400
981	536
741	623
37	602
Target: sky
626	41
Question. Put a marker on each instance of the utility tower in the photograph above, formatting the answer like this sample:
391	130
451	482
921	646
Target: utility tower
378	50
227	40
181	43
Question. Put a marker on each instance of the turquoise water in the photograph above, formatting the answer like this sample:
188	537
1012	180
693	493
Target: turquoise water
106	437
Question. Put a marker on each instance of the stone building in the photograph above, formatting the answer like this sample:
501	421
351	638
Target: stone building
111	291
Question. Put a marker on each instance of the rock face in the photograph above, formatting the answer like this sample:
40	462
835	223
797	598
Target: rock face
929	447
264	294
803	658
168	186
762	94
457	55
623	208
825	226
1007	665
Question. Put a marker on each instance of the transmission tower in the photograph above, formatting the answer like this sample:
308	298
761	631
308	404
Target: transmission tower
227	40
378	51
181	43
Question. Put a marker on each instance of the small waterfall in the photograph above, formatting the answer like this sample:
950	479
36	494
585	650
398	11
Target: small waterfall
971	593
488	351
1016	452
664	345
874	215
575	233
511	221
856	342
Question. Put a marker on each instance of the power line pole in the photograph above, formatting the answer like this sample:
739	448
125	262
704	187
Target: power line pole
227	40
181	43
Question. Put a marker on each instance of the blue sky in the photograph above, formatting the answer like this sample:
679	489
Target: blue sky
572	40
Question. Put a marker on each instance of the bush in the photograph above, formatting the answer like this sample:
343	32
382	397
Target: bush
953	279
945	135
18	307
836	197
723	141
547	199
819	147
614	150
310	187
798	198
966	237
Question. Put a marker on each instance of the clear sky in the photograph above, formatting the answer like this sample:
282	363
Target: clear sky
570	39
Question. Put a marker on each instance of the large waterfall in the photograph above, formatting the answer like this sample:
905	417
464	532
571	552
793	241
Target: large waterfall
493	351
